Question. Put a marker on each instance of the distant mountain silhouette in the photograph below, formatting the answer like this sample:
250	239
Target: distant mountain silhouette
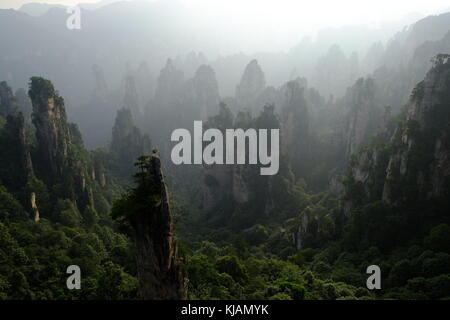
38	9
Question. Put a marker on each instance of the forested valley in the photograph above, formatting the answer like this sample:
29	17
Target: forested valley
86	176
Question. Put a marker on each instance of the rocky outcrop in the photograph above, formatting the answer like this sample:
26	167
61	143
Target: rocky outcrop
127	143
169	87
251	86
52	131
295	127
147	211
422	158
367	175
57	157
202	93
34	207
364	115
302	229
157	265
414	164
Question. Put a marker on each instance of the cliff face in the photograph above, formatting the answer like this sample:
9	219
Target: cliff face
59	158
363	117
52	131
295	126
422	159
414	164
157	264
146	210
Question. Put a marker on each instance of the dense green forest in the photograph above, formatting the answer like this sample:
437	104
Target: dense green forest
56	207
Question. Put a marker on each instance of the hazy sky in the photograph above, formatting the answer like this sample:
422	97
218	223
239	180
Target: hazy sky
321	11
17	3
288	19
354	9
296	12
6	4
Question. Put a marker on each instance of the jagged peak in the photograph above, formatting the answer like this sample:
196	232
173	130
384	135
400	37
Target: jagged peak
253	74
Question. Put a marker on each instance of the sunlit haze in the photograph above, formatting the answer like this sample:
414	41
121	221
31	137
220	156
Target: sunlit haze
290	15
